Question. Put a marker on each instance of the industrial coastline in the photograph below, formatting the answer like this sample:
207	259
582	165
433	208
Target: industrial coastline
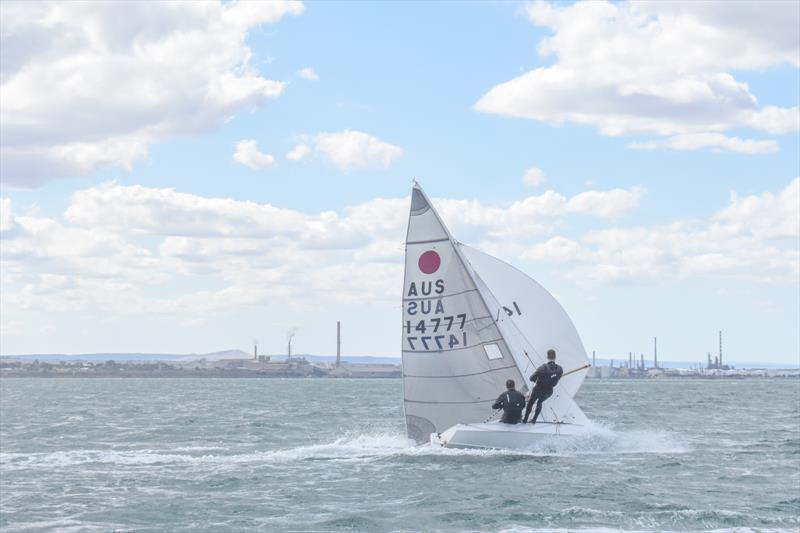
260	367
300	367
240	364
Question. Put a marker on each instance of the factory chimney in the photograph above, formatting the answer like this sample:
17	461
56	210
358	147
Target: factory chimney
720	349
593	363
641	355
655	352
338	343
290	336
255	350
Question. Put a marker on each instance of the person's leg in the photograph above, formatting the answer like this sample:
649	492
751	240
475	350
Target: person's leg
528	407
538	410
542	398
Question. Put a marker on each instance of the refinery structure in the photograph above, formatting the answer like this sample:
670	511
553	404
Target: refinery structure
639	367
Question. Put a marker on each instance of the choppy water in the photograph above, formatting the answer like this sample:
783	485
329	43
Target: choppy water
330	455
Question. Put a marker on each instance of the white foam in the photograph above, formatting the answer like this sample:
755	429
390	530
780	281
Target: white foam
600	439
355	447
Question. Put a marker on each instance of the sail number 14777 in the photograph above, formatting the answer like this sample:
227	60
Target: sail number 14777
437	342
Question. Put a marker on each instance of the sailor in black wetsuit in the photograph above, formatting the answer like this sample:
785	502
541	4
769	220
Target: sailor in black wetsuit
546	377
511	402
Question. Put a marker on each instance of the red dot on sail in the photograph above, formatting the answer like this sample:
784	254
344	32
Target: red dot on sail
429	262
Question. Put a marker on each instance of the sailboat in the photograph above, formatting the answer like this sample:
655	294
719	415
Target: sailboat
470	322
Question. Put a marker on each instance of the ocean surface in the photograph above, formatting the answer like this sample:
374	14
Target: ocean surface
331	455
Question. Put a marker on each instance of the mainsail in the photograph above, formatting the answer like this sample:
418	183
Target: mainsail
460	344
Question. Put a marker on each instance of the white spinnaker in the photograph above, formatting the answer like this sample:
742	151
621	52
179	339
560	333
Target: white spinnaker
532	322
455	360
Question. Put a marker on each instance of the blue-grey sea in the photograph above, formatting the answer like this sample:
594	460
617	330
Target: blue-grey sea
331	455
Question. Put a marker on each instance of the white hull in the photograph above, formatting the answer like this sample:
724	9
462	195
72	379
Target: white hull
496	435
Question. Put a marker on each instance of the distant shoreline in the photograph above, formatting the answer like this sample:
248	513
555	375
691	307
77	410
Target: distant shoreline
240	355
226	368
222	365
184	376
386	374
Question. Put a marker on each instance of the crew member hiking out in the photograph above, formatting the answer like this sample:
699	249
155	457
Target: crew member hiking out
511	402
546	377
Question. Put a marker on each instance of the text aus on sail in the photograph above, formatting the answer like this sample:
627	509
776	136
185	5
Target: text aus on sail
430	324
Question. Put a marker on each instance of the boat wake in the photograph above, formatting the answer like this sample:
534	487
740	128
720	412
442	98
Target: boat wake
353	448
603	440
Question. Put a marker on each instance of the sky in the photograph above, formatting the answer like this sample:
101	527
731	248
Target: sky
192	177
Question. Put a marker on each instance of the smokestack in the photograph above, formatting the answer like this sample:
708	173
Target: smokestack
641	355
630	359
593	362
709	360
720	349
338	343
655	352
255	351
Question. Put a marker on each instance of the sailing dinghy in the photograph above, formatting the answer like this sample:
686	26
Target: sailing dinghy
470	322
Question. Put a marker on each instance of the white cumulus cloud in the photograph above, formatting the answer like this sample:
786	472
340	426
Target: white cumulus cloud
84	84
606	203
355	150
656	68
209	256
714	141
766	215
533	177
755	237
298	153
308	73
247	154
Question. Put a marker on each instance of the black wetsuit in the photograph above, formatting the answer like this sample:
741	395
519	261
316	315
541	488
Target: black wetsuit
511	402
546	377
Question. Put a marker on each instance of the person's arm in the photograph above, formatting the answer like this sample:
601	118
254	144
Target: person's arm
540	372
500	402
559	373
